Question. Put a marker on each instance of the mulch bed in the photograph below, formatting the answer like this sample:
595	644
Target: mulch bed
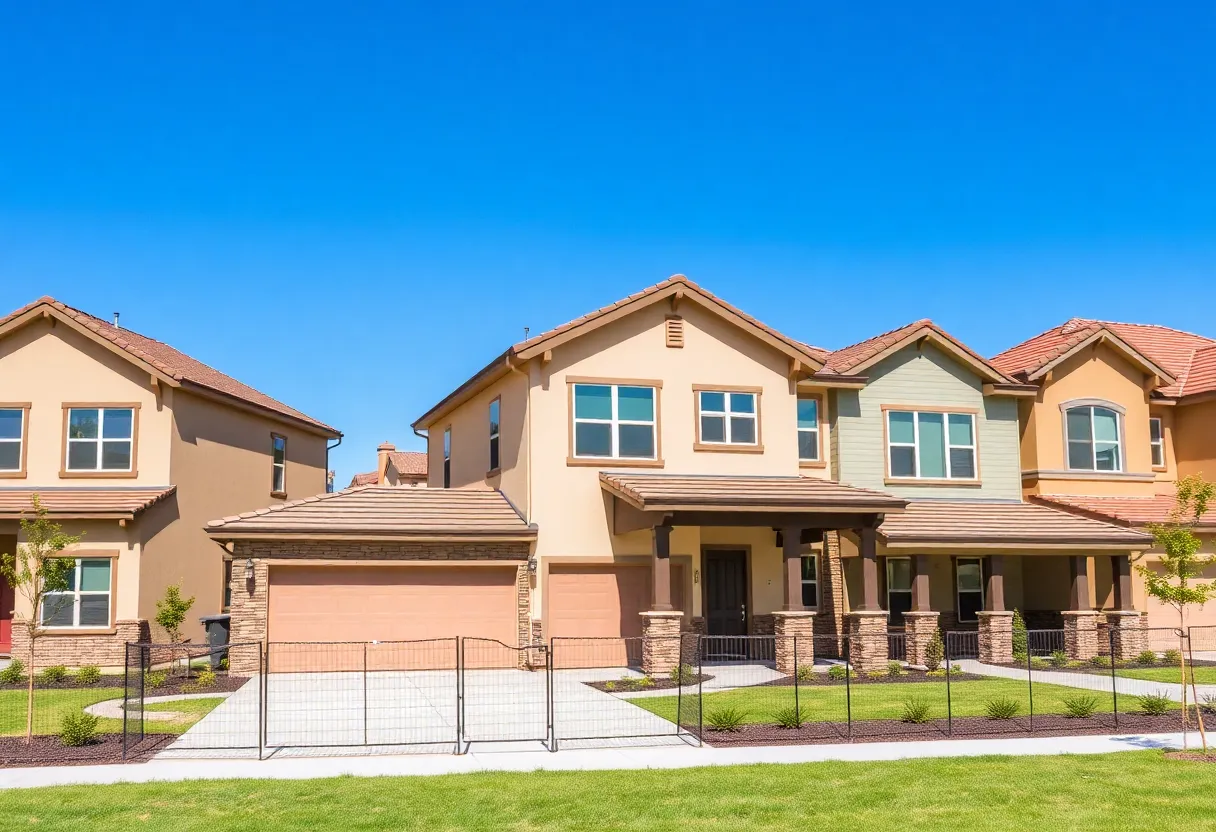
48	751
223	684
976	727
1191	756
659	684
820	678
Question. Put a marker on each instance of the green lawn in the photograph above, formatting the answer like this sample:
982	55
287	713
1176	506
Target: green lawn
1137	790
1170	675
821	703
51	705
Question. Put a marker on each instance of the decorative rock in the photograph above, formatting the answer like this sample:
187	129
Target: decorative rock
794	637
919	628
996	637
868	648
1081	634
1128	637
660	642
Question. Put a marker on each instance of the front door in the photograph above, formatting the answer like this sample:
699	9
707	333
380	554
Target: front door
725	592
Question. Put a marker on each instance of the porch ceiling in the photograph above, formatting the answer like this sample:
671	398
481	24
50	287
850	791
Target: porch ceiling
703	494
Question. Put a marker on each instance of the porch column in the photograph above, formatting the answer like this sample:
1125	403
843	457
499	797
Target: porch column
793	624
660	624
995	622
1124	623
1080	622
868	648
921	623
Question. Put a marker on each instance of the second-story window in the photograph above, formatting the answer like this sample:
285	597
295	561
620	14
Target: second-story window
1157	438
614	421
447	458
12	439
278	464
100	439
727	418
808	430
494	409
922	445
1094	438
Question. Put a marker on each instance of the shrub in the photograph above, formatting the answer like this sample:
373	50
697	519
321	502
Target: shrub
14	674
935	651
90	674
1209	703
206	679
840	672
224	663
956	668
1146	657
789	717
938	672
1059	659
1101	661
806	673
876	674
78	729
1080	706
724	719
916	711
1002	708
1155	704
610	686
1021	641
895	669
54	673
1171	657
156	678
643	683
1038	662
684	674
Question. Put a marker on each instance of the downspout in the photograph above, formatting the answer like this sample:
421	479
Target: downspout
528	436
426	436
329	484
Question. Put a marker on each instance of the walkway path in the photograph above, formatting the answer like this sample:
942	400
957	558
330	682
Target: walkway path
1097	682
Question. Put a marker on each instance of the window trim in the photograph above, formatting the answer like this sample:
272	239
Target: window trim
1120	418
958	592
494	443
573	460
699	444
815	557
947	412
821	428
278	492
447	457
84	554
23	455
68	407
1153	444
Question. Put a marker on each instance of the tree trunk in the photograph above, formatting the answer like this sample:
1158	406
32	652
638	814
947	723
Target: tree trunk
1182	667
29	704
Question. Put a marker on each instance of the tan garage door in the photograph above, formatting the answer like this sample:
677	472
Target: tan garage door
600	601
340	608
1163	615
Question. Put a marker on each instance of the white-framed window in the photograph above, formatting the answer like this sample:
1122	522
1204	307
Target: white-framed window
1095	438
899	589
931	445
808	430
101	439
495	407
86	602
1157	438
12	438
278	464
615	421
727	418
810	581
447	458
969	587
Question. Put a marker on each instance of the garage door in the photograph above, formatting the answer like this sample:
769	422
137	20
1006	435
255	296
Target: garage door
1163	615
600	601
340	608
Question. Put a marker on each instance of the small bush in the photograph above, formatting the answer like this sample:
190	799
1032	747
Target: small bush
206	680
840	672
935	673
156	678
1020	658
916	711
876	674
1155	704
956	668
224	663
1146	657
1101	661
1059	659
724	719
1075	664
1209	703
90	674
895	669
1171	657
610	686
684	674
806	673
935	651
1038	662
13	674
1002	708
641	684
78	729
789	717
1080	706
54	673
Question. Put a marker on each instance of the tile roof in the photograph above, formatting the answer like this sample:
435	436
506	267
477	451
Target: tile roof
1190	358
172	362
657	492
843	361
92	503
1125	511
933	522
409	463
369	478
370	511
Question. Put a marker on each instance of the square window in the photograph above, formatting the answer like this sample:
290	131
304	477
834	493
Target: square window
10	456
637	441
83	423
593	439
592	401
808	445
742	431
713	428
635	404
11	420
903	461
614	421
82	456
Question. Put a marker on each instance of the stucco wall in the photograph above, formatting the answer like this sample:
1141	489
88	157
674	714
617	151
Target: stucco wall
98	539
1195	439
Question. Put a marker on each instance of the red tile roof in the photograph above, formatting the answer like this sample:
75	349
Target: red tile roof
369	478
934	522
82	503
409	463
844	361
172	362
711	492
1126	511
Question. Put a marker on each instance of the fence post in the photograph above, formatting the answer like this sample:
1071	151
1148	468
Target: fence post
263	695
459	695
797	706
460	718
551	705
126	694
949	703
700	690
848	683
145	661
1114	678
365	693
1030	685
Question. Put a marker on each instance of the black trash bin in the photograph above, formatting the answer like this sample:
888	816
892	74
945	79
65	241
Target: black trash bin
217	637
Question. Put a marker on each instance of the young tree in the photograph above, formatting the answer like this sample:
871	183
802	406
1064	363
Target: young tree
36	571
171	614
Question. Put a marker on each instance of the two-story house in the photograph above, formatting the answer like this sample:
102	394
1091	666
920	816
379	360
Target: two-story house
134	446
669	464
1120	412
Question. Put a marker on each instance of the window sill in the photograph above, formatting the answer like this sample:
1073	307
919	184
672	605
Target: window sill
812	463
278	495
80	631
96	475
12	475
725	448
609	462
932	482
1160	469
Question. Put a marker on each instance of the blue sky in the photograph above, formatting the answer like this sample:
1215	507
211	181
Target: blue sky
353	208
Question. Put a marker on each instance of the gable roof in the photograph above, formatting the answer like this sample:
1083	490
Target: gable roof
1133	512
988	523
855	359
677	288
170	365
407	463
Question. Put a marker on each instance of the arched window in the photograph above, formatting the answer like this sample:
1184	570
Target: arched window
1094	437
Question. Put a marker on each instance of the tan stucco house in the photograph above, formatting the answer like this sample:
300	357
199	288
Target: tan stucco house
133	445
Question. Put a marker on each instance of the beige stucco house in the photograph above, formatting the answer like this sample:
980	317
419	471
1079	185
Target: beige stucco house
134	446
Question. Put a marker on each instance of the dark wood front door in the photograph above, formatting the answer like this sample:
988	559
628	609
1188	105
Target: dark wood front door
725	592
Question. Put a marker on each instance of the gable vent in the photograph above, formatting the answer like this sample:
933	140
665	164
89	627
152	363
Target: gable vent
675	332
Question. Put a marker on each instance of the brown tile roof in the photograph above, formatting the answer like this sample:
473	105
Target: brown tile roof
83	503
409	463
660	492
171	362
1125	511
372	512
1190	358
844	361
370	478
932	522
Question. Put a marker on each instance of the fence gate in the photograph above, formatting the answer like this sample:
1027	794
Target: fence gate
505	692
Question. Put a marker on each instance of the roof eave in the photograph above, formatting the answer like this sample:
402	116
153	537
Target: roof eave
1104	335
308	425
488	374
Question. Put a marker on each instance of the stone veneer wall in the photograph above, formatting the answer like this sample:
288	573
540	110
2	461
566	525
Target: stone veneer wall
106	650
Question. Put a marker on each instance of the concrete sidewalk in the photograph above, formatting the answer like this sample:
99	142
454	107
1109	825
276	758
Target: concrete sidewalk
605	759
